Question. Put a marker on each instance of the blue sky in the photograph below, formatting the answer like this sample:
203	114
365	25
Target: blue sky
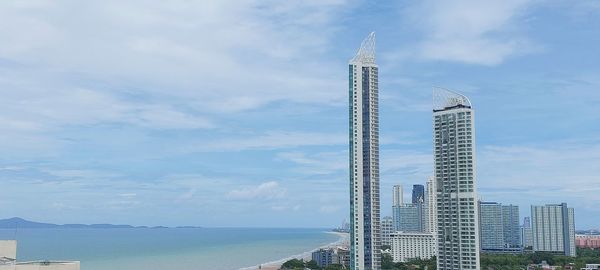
234	113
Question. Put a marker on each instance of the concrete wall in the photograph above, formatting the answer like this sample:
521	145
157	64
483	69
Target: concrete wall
8	249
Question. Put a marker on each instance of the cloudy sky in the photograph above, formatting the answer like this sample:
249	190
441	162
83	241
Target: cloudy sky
234	113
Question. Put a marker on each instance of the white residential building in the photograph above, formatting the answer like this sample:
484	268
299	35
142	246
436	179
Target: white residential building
411	245
365	252
398	195
431	207
553	228
387	228
455	181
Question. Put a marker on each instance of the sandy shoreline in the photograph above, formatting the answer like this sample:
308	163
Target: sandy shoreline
275	265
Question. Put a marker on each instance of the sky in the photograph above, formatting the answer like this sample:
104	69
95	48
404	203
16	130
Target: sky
233	113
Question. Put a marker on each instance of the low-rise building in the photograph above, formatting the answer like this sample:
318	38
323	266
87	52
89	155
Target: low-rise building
543	266
8	260
591	267
587	241
411	245
323	257
342	257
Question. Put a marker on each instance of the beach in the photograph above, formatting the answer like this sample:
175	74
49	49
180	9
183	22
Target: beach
343	241
158	249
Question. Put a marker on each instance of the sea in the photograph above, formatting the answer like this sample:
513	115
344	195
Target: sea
166	248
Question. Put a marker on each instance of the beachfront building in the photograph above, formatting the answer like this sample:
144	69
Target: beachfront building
387	228
412	245
8	260
364	158
454	167
553	227
323	257
342	257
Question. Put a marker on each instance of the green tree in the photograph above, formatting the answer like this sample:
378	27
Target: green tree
312	264
293	264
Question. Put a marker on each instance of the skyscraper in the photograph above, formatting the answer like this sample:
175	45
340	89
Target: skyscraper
364	158
526	233
398	195
431	207
418	194
553	228
454	161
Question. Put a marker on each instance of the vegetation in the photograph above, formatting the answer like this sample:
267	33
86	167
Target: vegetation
388	264
295	264
488	261
520	261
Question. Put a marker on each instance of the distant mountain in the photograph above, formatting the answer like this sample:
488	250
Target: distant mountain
589	232
19	223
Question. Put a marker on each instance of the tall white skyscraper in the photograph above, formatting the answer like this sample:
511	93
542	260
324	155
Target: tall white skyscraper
431	207
364	159
454	159
553	227
398	195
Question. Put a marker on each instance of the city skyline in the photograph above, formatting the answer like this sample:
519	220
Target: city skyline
123	113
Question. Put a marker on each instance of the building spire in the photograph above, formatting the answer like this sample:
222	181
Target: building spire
444	98
366	53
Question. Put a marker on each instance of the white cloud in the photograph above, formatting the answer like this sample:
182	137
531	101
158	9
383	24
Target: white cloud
318	163
269	140
329	209
470	31
264	191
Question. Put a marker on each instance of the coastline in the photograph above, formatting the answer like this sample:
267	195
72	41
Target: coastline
306	256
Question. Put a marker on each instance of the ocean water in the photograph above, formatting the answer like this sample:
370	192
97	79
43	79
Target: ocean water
166	249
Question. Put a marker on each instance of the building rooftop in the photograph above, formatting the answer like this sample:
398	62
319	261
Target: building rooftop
444	99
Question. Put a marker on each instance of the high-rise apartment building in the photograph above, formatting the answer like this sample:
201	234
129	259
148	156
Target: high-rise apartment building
431	207
526	233
365	253
387	228
398	195
553	228
499	227
510	227
409	217
454	159
418	194
490	224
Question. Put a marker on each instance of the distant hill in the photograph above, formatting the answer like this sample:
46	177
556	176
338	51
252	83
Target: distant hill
20	223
